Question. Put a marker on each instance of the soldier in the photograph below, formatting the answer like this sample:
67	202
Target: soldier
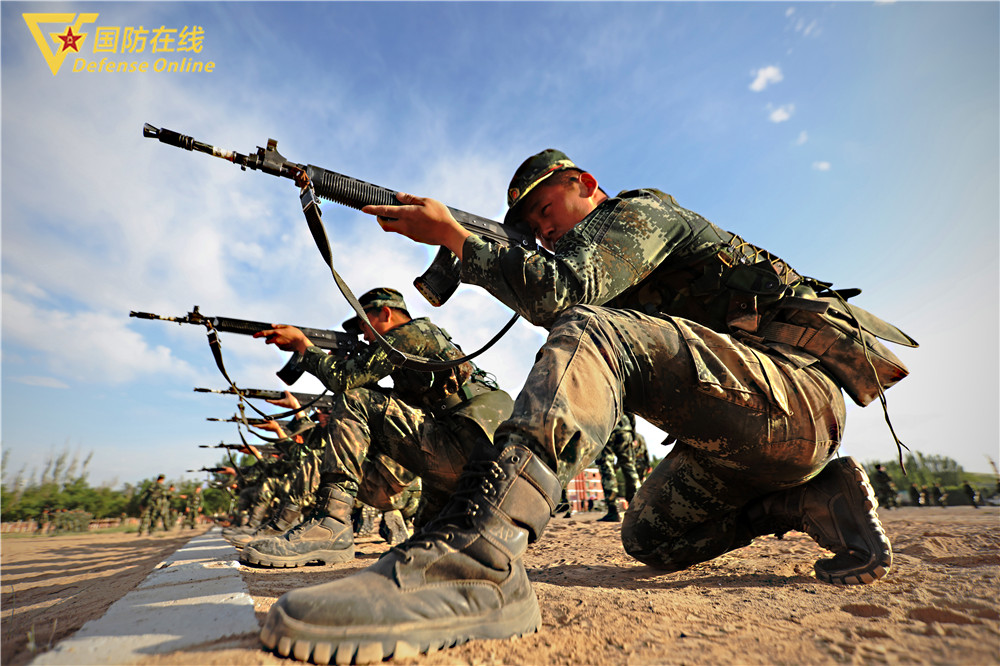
651	309
152	506
430	423
970	492
939	496
192	507
885	490
620	445
914	495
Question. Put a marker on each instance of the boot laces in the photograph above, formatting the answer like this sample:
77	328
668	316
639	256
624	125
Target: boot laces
479	480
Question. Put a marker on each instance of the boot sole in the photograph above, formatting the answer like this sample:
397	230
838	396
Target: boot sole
878	566
369	645
253	556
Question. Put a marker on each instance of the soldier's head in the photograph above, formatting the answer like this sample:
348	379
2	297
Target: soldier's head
384	308
160	478
549	195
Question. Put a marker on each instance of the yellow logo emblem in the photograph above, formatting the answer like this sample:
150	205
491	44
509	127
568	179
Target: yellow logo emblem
68	39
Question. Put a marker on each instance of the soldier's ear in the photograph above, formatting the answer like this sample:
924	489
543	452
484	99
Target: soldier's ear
589	184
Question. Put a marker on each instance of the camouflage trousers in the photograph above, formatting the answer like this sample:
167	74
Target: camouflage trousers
748	421
618	452
376	446
152	515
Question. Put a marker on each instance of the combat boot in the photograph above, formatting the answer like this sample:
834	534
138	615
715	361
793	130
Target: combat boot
254	520
612	516
392	528
837	509
326	535
284	519
460	578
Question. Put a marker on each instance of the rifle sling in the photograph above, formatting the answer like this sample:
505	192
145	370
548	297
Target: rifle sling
310	208
216	346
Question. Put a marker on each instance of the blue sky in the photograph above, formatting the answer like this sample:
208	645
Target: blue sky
857	141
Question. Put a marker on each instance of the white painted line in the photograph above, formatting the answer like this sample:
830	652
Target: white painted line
195	596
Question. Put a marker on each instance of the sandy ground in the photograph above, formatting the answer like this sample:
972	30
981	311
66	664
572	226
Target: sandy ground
757	605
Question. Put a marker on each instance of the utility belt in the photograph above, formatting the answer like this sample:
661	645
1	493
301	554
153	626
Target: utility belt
466	392
844	339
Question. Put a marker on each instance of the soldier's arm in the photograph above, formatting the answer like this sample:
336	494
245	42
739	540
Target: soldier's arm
339	374
611	250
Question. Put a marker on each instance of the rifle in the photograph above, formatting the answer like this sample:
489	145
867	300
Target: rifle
441	278
236	418
213	470
243	448
339	343
317	400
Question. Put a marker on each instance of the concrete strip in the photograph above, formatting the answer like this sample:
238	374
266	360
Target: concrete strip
194	597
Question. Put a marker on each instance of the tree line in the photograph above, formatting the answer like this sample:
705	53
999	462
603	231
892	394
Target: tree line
62	485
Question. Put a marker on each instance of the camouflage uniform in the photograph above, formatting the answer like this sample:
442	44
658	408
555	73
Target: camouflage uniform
621	445
651	309
641	455
428	422
192	507
376	440
155	508
884	490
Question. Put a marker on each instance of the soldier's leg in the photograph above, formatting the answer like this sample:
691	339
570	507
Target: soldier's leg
609	484
627	464
462	576
326	534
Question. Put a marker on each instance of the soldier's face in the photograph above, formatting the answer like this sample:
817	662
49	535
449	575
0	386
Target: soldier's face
553	209
380	323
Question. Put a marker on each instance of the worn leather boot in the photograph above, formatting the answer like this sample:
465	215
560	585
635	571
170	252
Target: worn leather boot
392	528
612	516
837	509
459	578
284	519
326	535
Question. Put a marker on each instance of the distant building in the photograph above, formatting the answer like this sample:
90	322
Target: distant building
584	486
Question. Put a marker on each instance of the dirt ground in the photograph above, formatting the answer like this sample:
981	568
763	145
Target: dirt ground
758	605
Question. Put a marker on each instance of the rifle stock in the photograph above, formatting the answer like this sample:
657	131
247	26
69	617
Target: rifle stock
441	278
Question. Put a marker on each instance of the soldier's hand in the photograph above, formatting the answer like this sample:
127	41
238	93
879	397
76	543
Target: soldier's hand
271	426
288	402
287	338
421	219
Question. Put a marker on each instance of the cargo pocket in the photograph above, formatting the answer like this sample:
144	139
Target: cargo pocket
731	371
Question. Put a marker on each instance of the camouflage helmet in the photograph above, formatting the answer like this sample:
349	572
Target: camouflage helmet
532	172
373	300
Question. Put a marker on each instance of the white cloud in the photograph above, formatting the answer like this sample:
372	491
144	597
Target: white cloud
802	138
821	166
782	113
45	382
82	346
764	77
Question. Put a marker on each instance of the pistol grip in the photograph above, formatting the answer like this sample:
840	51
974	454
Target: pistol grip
441	278
291	372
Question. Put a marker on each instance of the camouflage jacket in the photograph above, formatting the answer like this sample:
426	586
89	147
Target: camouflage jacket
641	251
426	390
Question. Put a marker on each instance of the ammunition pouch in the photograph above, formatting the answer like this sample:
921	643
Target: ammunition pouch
844	339
465	393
